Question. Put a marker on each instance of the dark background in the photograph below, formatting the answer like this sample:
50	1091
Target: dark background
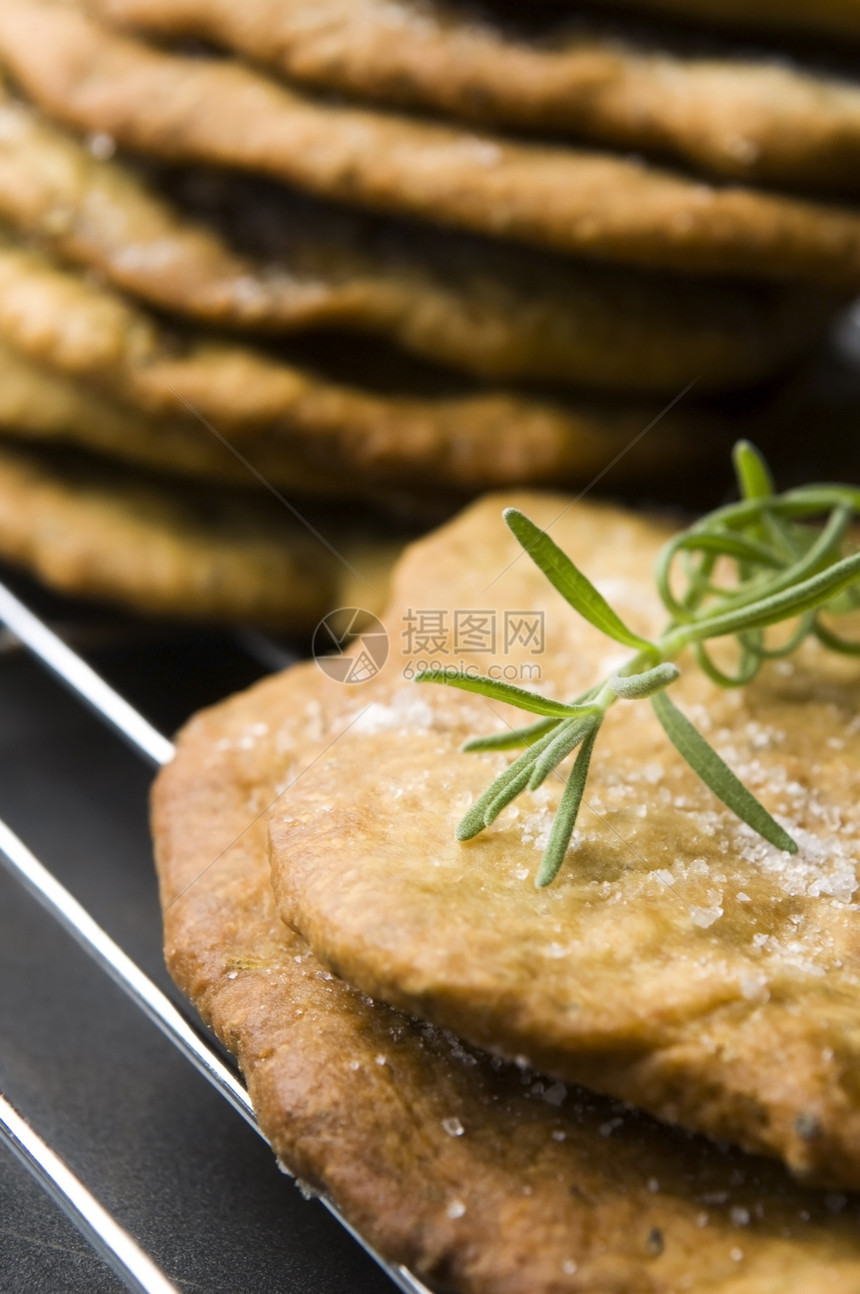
156	1145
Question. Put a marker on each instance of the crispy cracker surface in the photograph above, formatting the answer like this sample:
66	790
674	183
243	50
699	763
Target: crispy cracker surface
90	529
596	204
737	116
295	421
38	403
483	1177
678	962
497	311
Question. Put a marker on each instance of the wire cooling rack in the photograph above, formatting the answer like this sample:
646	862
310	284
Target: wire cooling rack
111	1097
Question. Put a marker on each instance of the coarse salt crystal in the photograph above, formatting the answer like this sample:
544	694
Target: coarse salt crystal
101	146
705	917
753	986
406	711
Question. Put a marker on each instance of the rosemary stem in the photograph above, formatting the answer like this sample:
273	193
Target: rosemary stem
789	565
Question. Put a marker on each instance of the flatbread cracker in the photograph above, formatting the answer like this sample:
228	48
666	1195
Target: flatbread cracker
736	116
495	311
296	421
41	404
91	530
484	1178
678	962
200	109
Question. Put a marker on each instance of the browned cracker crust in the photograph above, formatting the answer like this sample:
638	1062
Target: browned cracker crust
294	421
737	116
542	1192
678	962
493	310
217	111
89	529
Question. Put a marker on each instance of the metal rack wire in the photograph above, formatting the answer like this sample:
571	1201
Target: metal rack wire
122	1253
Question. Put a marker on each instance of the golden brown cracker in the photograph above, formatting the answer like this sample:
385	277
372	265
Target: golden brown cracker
485	1178
749	118
43	404
89	529
496	311
598	205
678	962
296	421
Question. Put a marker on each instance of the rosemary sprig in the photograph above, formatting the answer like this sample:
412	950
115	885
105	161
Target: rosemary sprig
738	571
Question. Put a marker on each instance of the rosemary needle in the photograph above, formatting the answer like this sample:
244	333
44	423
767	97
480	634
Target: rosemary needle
787	565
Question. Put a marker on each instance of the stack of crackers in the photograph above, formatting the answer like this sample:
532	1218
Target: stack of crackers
639	1080
389	254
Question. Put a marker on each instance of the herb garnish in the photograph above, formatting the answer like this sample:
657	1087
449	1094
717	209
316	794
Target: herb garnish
779	567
